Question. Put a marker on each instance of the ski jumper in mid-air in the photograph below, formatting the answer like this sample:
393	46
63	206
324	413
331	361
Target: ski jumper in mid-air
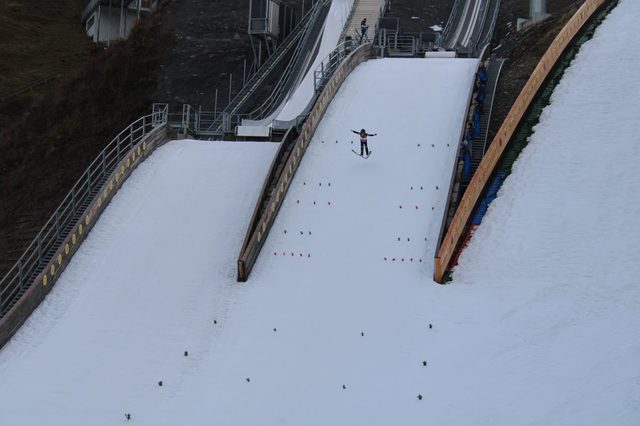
363	140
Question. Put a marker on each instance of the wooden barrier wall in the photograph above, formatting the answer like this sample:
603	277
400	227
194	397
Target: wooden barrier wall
479	181
281	155
38	290
251	250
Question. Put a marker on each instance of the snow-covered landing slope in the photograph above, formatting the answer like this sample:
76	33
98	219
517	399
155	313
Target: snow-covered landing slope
550	283
323	308
146	285
159	269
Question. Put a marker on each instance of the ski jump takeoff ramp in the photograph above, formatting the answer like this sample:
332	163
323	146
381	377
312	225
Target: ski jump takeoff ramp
332	327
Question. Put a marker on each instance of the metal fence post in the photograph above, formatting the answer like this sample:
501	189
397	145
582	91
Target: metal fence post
57	214
39	238
20	277
104	165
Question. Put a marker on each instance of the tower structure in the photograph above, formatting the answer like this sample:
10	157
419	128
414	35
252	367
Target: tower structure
107	20
270	22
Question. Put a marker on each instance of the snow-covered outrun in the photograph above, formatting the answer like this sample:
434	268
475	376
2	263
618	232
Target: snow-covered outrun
540	324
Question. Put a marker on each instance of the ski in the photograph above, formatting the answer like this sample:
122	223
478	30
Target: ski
362	156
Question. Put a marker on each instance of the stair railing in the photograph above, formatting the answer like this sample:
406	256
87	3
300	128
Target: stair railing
72	208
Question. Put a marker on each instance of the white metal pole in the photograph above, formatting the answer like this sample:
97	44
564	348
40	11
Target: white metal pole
109	26
98	30
122	30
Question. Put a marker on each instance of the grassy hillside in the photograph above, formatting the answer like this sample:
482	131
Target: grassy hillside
45	148
40	38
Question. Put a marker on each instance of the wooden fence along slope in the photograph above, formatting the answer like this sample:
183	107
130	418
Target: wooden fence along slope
506	132
259	231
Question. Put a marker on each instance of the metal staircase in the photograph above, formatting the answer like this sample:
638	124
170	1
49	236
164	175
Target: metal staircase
479	144
212	124
48	242
296	68
370	9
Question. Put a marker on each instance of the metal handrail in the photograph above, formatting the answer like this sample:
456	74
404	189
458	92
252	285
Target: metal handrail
72	208
267	106
220	119
347	23
331	62
493	96
334	58
447	28
321	75
494	18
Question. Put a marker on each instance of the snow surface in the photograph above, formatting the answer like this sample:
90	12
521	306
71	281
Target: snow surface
324	281
107	335
335	22
540	325
144	287
548	291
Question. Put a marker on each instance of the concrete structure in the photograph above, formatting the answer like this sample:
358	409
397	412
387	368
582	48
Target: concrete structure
537	13
107	20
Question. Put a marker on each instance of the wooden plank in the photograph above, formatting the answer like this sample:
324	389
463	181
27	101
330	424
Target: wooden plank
479	181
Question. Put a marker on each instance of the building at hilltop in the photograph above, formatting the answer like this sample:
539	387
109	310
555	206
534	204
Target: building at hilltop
107	20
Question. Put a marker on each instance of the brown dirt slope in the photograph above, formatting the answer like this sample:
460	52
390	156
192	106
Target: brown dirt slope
210	42
522	50
40	38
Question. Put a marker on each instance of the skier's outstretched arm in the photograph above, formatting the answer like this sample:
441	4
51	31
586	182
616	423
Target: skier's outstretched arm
357	133
373	134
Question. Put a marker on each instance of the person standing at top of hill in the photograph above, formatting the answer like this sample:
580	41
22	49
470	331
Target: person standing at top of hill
364	147
363	29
